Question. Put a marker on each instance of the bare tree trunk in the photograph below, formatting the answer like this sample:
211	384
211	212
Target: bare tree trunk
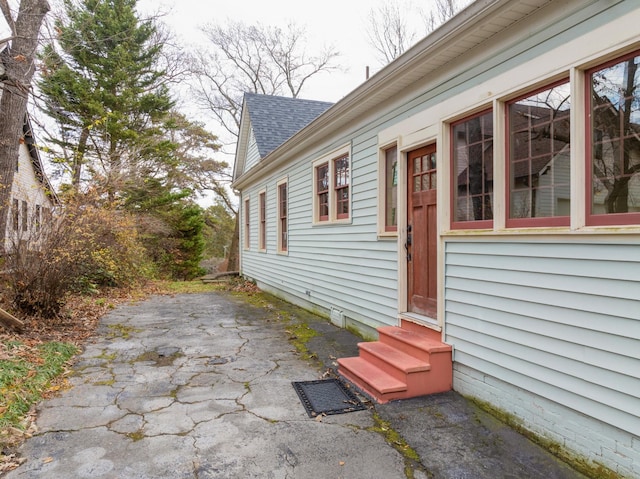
232	260
19	68
78	159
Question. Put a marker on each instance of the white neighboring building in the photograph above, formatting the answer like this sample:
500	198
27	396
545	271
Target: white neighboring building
32	196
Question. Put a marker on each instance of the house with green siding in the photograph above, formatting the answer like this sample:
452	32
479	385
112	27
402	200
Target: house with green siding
474	210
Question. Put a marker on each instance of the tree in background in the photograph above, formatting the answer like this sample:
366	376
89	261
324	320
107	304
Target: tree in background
392	29
105	82
256	59
105	88
219	225
16	72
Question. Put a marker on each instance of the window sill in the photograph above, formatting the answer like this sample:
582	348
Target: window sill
345	221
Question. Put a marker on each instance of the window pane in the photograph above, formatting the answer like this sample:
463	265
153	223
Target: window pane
391	188
341	166
539	150
282	215
615	144
322	177
473	168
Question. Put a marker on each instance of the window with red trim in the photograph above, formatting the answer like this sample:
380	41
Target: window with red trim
472	171
391	189
613	142
282	218
538	154
322	191
247	224
262	242
341	186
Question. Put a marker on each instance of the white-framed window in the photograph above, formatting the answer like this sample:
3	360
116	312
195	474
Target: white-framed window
283	215
332	187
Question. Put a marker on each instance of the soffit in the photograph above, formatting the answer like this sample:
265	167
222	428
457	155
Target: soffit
476	24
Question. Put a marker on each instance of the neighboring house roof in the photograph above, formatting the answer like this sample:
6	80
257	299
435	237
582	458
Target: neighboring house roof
36	161
273	120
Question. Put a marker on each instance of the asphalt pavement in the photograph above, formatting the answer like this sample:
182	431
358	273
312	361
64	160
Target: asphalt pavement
199	386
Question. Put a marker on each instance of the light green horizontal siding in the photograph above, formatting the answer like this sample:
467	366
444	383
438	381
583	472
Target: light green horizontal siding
341	265
556	319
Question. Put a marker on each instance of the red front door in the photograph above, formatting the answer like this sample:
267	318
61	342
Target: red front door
422	225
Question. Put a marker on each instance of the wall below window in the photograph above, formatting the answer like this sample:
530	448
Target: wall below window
576	438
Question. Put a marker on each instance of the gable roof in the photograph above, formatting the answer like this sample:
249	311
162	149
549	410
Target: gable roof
36	161
482	21
273	120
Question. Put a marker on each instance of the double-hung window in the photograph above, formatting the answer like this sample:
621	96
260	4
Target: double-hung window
538	157
472	171
613	142
322	191
332	187
283	232
247	224
390	206
262	227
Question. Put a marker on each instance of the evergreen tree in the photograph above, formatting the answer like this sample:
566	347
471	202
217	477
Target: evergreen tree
105	89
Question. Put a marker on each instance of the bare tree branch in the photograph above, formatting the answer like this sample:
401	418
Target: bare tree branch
253	58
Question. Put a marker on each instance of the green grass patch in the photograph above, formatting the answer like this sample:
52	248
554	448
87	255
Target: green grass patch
27	376
122	331
395	440
196	286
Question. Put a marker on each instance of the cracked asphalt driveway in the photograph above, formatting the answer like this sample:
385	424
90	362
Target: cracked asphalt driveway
197	386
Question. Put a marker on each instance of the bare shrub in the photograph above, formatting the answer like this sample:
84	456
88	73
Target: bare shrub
80	249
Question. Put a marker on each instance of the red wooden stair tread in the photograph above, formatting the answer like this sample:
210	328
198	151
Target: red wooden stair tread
375	377
395	357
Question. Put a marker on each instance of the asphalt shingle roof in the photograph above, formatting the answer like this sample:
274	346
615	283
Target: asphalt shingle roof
275	119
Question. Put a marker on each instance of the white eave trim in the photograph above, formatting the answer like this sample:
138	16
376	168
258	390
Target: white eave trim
426	56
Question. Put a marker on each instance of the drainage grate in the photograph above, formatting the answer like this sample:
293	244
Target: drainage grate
326	396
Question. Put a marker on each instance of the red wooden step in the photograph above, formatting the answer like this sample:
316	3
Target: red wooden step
385	357
370	378
415	344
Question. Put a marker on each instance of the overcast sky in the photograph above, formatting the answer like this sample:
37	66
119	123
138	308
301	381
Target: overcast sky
342	23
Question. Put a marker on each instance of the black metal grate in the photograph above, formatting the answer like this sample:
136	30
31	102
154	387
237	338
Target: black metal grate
326	396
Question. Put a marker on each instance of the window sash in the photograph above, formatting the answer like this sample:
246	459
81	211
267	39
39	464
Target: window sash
472	171
391	189
247	224
538	157
263	221
322	191
613	148
341	186
282	217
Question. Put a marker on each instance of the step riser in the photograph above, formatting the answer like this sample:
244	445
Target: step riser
375	363
388	368
379	397
404	347
425	387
